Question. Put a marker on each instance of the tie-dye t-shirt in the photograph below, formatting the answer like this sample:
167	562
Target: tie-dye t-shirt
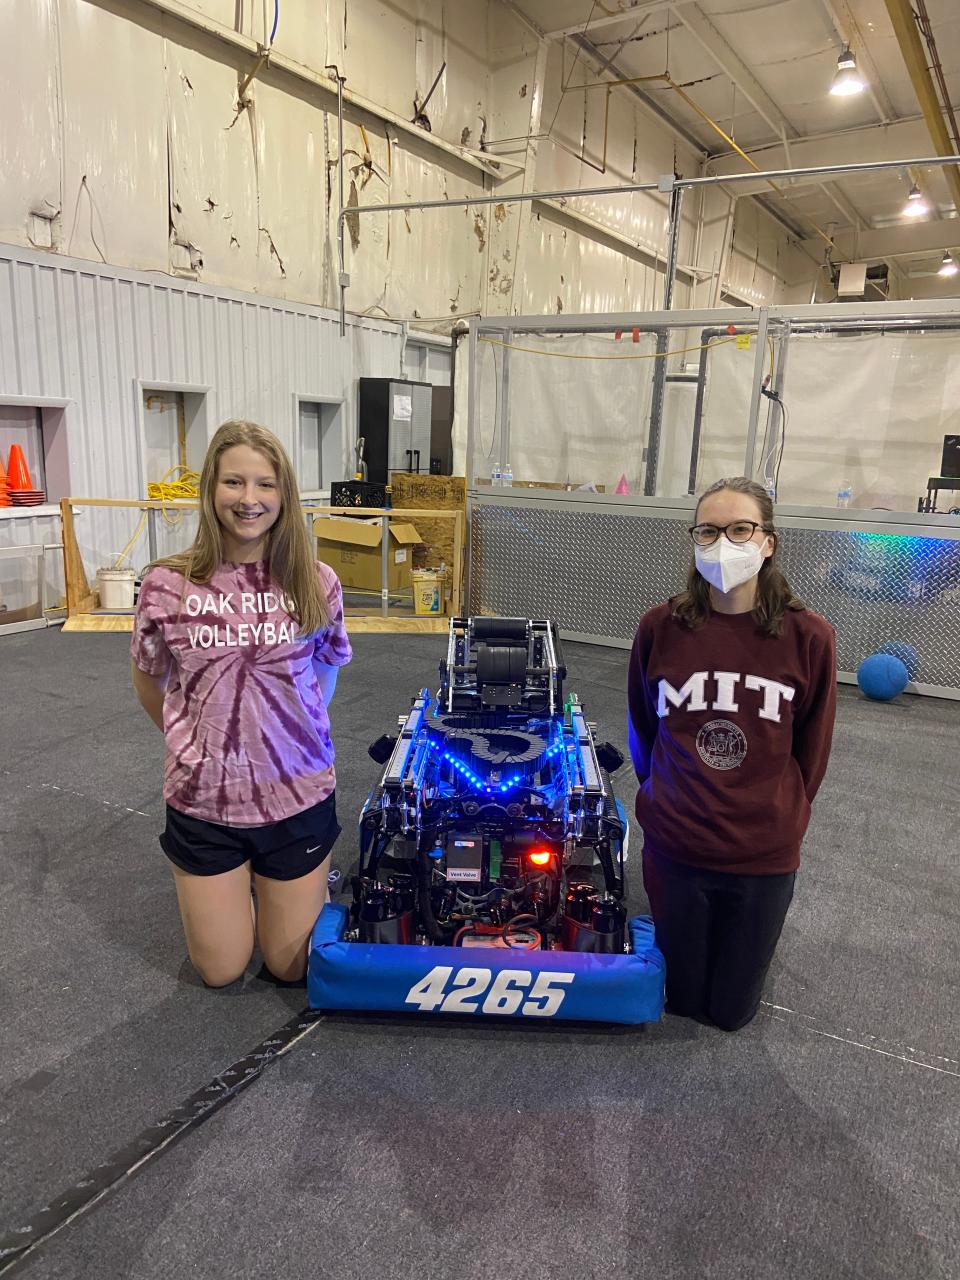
246	729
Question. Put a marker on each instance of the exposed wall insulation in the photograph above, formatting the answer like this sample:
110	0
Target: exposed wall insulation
159	166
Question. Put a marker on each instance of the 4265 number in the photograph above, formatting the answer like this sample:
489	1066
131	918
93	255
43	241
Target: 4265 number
445	990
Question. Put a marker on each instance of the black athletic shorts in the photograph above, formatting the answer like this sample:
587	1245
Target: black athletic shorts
281	850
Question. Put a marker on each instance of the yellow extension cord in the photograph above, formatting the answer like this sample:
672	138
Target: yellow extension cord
643	355
165	490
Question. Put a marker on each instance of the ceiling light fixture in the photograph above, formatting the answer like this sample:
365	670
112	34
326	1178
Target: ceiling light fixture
948	267
916	206
847	79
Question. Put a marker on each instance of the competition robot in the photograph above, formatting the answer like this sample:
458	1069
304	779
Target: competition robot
491	870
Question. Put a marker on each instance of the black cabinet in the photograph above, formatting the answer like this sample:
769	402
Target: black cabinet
394	421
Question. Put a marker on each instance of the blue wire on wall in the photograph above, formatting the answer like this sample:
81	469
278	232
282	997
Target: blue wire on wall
276	19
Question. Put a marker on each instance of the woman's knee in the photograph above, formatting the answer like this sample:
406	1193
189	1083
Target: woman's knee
219	971
732	1019
284	966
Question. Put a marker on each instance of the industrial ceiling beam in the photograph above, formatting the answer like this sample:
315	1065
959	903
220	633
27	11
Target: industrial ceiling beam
607	20
279	62
924	237
872	144
736	70
904	24
706	34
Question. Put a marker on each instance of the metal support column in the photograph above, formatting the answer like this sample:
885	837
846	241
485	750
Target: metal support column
673	247
750	457
385	565
705	337
470	473
663	339
152	533
505	403
773	434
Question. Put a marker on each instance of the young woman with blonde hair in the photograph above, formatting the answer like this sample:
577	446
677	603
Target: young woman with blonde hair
236	646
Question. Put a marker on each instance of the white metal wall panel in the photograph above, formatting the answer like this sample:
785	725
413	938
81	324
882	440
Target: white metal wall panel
91	334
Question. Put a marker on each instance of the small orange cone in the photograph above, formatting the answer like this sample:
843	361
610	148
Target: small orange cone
18	477
4	492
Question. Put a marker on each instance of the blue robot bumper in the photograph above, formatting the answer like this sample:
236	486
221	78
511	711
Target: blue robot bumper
485	981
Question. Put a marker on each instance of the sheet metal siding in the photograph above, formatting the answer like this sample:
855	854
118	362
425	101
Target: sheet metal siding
89	333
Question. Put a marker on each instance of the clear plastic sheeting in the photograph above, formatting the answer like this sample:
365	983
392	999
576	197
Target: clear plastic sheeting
574	410
725	417
868	411
569	410
866	397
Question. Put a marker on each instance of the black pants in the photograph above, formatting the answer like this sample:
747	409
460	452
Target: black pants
718	933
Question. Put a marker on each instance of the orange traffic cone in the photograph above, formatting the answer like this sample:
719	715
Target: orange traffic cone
18	477
4	492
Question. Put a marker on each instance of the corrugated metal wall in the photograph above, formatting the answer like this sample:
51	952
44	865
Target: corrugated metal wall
95	335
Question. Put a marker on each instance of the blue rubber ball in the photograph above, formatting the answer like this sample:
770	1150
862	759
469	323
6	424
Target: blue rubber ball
907	655
882	676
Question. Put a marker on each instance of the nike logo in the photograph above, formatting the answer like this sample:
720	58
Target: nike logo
315	848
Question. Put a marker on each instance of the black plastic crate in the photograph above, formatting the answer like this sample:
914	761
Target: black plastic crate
357	493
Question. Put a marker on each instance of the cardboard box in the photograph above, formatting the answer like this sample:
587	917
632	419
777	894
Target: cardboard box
352	550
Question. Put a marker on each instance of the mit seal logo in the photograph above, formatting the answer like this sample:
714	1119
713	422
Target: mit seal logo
721	744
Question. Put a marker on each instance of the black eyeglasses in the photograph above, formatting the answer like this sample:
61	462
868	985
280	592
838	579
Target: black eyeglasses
704	535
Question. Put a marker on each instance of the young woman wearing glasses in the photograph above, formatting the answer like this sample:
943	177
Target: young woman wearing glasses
732	696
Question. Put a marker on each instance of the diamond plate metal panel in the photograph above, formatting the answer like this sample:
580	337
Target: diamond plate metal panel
591	572
596	573
877	589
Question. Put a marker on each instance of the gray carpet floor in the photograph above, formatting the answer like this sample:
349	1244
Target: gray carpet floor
822	1141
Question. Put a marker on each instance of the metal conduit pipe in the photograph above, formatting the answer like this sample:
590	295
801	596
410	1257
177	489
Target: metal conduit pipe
812	171
462	202
666	185
341	248
660	363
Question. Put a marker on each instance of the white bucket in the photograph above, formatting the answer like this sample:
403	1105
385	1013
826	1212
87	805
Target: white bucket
116	588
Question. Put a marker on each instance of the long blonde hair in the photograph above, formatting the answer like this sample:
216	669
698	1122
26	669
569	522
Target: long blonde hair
774	593
290	556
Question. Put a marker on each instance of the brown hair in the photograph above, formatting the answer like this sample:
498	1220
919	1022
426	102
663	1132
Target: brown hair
290	556
774	593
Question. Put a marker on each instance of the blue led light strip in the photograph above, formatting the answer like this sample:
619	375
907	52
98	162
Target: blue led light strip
476	782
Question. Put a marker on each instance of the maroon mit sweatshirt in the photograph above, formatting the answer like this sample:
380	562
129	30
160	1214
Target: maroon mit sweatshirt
733	729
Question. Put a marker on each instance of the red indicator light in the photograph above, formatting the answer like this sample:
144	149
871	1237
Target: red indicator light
540	857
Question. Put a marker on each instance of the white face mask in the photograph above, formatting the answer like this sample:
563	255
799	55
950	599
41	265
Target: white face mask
727	564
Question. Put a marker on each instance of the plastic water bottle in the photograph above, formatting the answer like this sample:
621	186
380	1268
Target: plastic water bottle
844	494
496	476
506	477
